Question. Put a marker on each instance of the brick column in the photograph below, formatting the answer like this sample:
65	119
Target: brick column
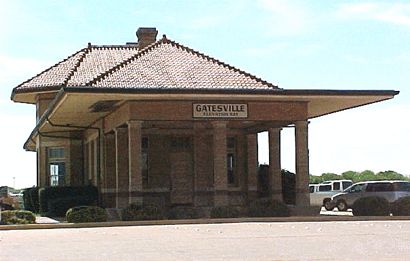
252	160
42	177
302	164
275	175
134	162
121	162
109	180
220	164
201	162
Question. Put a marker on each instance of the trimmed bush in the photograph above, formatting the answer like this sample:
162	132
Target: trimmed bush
11	217
371	206
85	195
137	212
268	208
27	201
183	212
401	207
85	214
288	184
58	207
5	206
30	199
224	212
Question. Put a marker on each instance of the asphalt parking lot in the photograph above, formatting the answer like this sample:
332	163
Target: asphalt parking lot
352	240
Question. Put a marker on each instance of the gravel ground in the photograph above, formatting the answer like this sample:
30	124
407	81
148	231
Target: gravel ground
361	240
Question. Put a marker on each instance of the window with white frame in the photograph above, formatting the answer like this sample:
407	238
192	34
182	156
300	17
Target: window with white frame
231	161
144	159
56	166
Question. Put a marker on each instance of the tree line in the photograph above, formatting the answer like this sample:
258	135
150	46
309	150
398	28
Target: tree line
355	176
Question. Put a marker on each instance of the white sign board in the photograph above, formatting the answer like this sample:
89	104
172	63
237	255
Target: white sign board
220	110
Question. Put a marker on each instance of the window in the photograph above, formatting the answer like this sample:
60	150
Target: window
346	184
336	185
325	188
357	188
56	166
231	160
144	159
91	162
57	173
312	189
379	187
181	143
56	153
401	186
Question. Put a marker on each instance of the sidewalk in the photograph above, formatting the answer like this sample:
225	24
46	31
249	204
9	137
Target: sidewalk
55	224
46	220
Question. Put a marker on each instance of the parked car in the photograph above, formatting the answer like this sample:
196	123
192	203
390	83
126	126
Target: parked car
324	190
390	190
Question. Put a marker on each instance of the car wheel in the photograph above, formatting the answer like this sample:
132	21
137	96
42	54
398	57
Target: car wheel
328	205
341	205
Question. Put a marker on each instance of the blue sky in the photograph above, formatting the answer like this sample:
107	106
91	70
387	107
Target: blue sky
294	44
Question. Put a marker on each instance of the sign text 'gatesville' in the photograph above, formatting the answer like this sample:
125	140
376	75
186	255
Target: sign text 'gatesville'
221	110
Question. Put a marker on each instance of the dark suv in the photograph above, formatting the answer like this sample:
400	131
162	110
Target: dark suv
390	190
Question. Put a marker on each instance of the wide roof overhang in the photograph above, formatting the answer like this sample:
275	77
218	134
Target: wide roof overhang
70	110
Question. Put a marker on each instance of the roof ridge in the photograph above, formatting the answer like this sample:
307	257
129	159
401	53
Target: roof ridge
207	57
165	40
48	69
77	65
125	46
125	62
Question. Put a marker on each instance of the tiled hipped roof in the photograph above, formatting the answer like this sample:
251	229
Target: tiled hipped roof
79	68
162	65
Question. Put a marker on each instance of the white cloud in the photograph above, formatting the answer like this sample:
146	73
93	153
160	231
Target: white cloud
287	17
394	13
15	161
206	21
14	70
374	137
20	121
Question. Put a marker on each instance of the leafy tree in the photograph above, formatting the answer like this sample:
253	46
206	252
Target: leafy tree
355	176
315	179
367	175
330	176
390	175
352	175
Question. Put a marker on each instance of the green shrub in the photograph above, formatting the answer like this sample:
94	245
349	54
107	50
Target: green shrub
224	212
88	195
5	206
85	214
183	212
267	207
27	200
137	212
288	184
30	199
58	207
18	217
371	206
401	207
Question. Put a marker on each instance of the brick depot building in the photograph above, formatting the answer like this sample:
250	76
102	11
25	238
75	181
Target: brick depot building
158	122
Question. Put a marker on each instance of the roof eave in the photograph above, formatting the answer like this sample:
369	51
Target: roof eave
387	94
227	90
44	118
16	94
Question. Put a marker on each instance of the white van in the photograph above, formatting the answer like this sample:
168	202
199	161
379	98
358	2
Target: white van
325	190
